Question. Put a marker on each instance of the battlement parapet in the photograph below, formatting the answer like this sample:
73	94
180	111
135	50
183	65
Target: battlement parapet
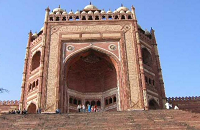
193	98
9	102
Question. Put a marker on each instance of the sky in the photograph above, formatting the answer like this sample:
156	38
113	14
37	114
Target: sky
176	24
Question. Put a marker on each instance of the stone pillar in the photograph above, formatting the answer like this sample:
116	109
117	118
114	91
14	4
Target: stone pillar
22	103
39	95
141	67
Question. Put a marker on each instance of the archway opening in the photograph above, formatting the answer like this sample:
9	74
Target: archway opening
32	108
153	105
146	56
35	61
91	76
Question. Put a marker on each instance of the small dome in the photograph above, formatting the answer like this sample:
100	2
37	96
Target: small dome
77	12
128	12
103	11
83	12
115	11
90	12
109	12
122	8
71	12
147	32
122	12
64	13
90	7
58	13
58	10
96	12
35	35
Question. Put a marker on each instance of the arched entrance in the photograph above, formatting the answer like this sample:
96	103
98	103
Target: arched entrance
32	108
90	78
153	105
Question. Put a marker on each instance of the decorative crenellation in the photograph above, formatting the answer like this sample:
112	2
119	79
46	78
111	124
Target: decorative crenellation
91	15
9	102
183	98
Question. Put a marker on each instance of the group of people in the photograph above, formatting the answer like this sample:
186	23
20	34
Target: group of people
82	108
17	111
169	106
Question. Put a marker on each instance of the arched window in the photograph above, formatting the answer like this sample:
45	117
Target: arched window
103	17
83	18
129	17
90	18
37	82
77	18
70	100
110	17
29	87
110	101
57	18
98	103
153	104
116	17
114	99
64	19
86	103
106	102
96	17
123	17
79	102
92	103
146	57
70	18
36	60
33	85
75	101
51	18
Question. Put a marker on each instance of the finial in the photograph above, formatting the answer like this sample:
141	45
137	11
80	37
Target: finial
71	10
122	5
90	2
47	9
59	6
132	7
30	31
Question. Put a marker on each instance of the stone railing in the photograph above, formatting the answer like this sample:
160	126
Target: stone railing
83	16
9	102
183	98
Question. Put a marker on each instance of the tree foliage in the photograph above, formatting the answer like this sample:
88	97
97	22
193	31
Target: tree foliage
3	90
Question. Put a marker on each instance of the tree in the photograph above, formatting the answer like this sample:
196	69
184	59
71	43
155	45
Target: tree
3	90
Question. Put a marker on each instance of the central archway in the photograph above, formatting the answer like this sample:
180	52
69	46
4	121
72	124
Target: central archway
91	78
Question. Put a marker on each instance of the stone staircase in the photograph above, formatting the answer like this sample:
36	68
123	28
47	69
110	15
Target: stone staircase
132	120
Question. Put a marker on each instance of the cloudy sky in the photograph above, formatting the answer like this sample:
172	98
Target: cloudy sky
176	24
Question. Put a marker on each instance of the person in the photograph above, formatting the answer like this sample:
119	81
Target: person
24	111
79	108
89	108
95	108
18	111
167	105
83	108
58	111
39	110
176	107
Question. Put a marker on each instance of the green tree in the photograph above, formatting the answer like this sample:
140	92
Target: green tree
3	90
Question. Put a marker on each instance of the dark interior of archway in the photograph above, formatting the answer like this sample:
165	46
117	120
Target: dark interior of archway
153	105
32	108
91	71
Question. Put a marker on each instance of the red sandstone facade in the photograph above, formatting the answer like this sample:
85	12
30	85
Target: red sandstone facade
92	57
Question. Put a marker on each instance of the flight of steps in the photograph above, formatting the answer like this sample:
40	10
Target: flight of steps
132	120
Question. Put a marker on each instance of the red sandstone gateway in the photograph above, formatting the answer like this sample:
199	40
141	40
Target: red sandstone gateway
92	57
